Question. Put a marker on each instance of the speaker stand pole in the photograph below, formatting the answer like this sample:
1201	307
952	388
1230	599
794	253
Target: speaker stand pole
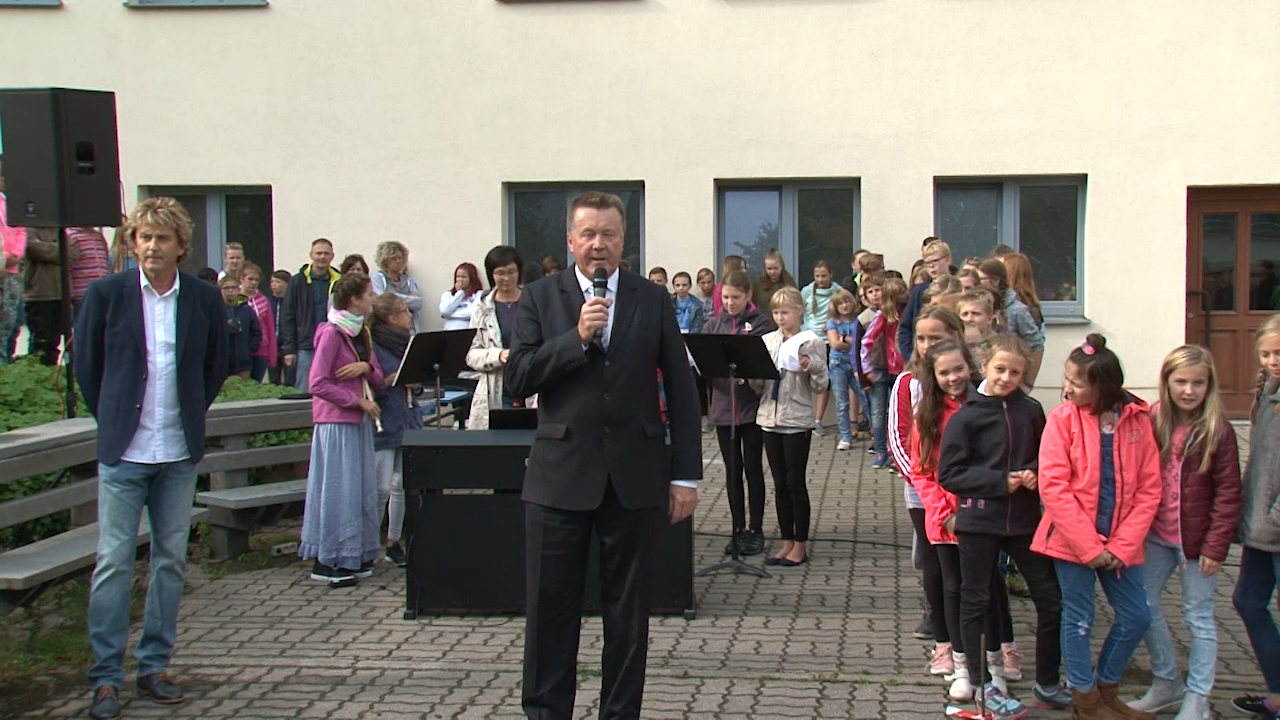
67	313
435	368
734	563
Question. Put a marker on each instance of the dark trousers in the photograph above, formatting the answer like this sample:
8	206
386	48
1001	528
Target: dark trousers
704	393
556	545
1256	586
931	578
991	621
979	554
44	322
744	456
788	459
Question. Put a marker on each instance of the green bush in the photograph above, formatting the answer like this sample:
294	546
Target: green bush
31	394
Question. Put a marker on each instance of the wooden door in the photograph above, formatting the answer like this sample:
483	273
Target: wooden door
1233	280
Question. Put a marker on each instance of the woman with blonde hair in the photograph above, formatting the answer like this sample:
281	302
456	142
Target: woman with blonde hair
392	259
1259	532
1193	529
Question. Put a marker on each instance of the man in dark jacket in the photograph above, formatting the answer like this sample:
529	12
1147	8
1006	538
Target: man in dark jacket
305	306
150	358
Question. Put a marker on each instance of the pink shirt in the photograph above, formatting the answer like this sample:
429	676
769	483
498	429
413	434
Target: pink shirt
92	261
1168	523
262	308
15	238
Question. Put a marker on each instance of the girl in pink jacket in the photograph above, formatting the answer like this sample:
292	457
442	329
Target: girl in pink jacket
1100	485
341	515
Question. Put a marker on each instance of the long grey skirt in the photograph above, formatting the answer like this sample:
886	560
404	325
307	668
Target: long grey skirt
340	520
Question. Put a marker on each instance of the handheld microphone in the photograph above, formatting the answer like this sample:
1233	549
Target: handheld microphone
600	284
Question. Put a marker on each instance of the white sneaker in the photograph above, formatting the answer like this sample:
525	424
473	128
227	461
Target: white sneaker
1162	695
1194	707
843	445
960	689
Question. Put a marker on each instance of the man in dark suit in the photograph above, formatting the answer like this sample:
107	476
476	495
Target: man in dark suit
151	356
600	458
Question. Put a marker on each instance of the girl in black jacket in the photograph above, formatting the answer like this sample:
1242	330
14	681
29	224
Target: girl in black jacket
737	317
989	459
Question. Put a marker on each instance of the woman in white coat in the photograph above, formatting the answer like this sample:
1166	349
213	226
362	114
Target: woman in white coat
494	320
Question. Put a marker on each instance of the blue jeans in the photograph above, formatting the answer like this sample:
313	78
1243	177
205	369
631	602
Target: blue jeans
1128	597
842	378
304	368
1259	574
879	414
167	490
1197	608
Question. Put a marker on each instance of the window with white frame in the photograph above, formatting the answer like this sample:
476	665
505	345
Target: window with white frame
806	221
1041	217
537	221
220	215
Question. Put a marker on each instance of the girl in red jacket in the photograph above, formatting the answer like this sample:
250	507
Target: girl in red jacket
1193	529
1100	485
945	379
933	325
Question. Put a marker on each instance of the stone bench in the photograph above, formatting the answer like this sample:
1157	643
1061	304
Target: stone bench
234	512
24	571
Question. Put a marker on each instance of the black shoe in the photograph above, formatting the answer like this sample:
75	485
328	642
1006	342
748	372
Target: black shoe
788	562
923	631
754	543
739	537
396	556
773	560
1251	704
366	570
320	571
157	685
106	703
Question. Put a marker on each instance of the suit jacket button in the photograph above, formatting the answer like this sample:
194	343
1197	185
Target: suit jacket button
606	363
606	397
606	431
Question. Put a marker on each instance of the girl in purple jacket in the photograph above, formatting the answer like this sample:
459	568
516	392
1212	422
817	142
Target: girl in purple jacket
340	521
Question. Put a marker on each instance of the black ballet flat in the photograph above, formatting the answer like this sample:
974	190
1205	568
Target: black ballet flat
788	562
775	561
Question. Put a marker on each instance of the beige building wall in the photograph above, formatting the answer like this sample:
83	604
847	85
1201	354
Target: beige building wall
403	119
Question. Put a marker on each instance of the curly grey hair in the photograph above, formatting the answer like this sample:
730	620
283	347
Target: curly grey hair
387	250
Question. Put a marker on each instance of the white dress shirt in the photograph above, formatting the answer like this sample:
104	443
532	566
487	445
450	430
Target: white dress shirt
611	293
159	438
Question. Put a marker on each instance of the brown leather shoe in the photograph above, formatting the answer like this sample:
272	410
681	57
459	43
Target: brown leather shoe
160	689
106	703
1120	709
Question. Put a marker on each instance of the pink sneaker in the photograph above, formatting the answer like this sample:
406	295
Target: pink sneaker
1012	663
942	663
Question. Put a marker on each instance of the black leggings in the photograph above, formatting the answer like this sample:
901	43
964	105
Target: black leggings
746	456
931	578
788	455
991	621
978	556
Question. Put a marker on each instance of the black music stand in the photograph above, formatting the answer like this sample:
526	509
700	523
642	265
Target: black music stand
732	357
434	357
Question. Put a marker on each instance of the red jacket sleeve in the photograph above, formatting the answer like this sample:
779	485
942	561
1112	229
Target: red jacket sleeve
1224	514
938	503
1070	522
1127	543
899	424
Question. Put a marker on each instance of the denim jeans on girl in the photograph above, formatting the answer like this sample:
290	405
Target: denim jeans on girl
879	414
1259	575
842	379
1197	608
1128	597
167	491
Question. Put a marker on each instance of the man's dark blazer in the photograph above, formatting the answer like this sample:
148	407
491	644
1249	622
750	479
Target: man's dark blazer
111	358
598	415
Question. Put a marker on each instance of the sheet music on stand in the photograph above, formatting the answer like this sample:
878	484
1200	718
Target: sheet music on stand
433	358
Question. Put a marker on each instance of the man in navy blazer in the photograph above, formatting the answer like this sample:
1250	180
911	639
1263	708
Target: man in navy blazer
150	357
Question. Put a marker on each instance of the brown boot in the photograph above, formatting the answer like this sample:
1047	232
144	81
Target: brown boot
1117	707
1086	706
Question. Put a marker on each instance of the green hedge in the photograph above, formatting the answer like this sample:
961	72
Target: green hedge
31	394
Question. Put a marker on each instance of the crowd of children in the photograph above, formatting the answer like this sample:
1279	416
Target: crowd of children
1103	490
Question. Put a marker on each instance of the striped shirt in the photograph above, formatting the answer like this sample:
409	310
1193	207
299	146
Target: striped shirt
92	263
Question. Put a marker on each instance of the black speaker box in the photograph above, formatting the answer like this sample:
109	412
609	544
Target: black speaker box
61	160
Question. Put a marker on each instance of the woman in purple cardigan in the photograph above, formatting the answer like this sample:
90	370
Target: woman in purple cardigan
340	521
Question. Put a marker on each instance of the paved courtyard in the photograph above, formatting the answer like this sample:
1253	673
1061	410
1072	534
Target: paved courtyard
827	640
